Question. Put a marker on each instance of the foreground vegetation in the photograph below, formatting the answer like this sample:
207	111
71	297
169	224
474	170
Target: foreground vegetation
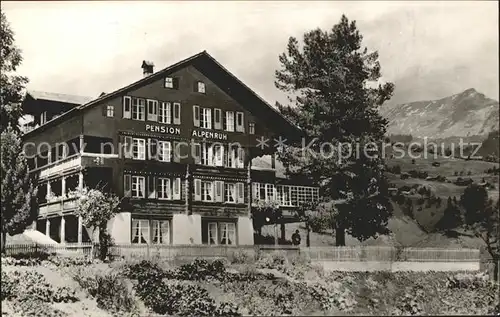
272	286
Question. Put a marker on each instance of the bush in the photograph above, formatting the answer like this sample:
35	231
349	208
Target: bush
241	257
8	286
144	269
110	290
33	286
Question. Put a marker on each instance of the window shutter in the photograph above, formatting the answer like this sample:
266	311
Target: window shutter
175	82
197	153
256	191
240	126
128	147
151	187
197	189
240	189
219	191
241	157
177	113
104	110
217	119
152	113
127	107
127	185
177	188
195	86
152	149
176	156
196	116
210	160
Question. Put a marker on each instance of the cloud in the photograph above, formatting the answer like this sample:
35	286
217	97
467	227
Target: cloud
429	49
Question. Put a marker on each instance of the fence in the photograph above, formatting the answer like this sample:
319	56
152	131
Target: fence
170	252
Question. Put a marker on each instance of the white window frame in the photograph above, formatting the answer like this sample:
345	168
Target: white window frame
140	145
201	88
226	230
230	193
229	122
165	112
110	111
169	82
251	128
206	118
207	154
207	191
139	109
139	226
43	117
156	228
164	189
164	151
212	228
137	183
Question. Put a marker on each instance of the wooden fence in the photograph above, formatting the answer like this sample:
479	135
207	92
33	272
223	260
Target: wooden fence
170	252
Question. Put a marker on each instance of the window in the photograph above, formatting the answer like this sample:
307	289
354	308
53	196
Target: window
127	105
169	82
235	157
229	123
165	112
152	110
251	128
230	193
138	186
138	149
164	151
177	113
269	192
140	231
164	188
221	233
110	111
207	191
217	119
43	117
150	231
240	127
283	195
172	82
161	231
206	118
138	109
200	87
207	156
218	155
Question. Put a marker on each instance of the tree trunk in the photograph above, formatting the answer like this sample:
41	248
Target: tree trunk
103	243
339	235
4	241
308	236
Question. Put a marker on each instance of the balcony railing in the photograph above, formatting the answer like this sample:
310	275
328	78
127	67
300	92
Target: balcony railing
61	166
57	204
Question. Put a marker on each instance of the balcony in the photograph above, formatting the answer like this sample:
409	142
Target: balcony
58	167
57	205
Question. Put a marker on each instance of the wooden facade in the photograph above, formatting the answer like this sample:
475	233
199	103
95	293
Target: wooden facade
178	143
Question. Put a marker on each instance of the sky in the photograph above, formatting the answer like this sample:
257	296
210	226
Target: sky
429	50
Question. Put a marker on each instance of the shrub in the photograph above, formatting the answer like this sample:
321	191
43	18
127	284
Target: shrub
110	290
33	285
144	269
201	269
241	257
8	286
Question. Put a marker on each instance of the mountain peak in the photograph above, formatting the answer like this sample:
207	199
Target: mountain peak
470	91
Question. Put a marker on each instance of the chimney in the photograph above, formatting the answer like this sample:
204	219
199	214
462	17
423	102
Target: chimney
147	68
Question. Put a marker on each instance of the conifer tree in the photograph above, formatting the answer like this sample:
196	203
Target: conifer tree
332	85
18	192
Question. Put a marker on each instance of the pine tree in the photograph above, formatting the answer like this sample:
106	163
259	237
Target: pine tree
451	217
332	82
18	192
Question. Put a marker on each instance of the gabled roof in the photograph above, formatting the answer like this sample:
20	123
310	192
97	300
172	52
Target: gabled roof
226	81
51	96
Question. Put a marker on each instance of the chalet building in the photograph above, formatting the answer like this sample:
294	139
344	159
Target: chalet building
179	145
